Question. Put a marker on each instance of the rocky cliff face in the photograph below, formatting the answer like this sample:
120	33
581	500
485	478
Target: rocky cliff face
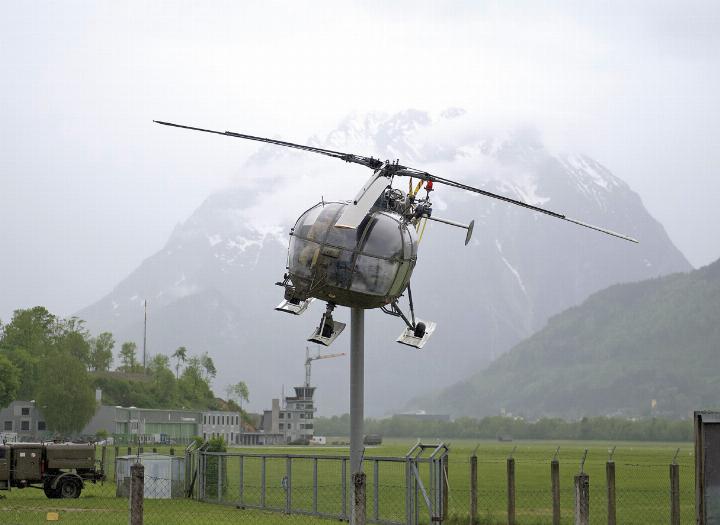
211	287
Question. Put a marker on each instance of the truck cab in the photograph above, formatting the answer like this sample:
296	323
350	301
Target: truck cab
4	468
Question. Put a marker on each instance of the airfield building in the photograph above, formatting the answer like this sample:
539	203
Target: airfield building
295	419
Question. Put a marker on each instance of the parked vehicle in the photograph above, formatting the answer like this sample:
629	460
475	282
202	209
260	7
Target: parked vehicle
372	439
60	469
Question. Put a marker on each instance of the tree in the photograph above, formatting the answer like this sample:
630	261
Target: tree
72	338
33	329
26	339
101	352
209	366
194	387
128	353
9	381
242	392
181	355
65	394
159	362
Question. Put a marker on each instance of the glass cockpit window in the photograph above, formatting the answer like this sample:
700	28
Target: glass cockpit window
316	222
305	222
384	238
342	237
373	276
324	222
303	256
339	269
409	242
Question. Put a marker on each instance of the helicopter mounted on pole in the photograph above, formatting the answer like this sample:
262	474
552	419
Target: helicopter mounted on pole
361	253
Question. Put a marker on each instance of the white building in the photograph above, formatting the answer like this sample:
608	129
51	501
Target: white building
225	424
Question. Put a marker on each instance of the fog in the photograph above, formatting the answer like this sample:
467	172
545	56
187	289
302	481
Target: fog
89	187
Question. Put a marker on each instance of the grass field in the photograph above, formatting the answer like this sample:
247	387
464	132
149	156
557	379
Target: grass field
642	474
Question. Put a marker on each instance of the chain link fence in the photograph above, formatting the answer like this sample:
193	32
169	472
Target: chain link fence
640	495
302	489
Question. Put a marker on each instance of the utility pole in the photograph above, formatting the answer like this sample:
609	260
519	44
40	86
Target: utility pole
145	340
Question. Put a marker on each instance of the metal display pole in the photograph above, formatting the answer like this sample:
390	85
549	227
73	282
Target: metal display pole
357	384
357	387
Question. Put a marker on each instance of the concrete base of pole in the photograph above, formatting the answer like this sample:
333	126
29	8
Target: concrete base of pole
359	498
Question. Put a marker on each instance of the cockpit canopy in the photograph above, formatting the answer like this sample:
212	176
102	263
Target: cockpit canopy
365	267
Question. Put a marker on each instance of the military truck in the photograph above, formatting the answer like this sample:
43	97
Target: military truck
60	469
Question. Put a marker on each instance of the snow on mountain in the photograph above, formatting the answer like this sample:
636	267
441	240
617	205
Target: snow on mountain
211	287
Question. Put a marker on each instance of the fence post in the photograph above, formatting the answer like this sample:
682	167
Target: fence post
315	486
172	451
242	482
219	487
343	484
444	462
129	451
376	493
288	485
262	483
358	504
511	490
674	493
408	493
137	493
611	506
555	489
582	499
473	490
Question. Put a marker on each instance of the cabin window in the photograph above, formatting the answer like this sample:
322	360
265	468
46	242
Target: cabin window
384	237
41	425
373	276
8	425
25	411
24	425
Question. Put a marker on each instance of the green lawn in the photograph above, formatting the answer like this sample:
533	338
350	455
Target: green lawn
642	472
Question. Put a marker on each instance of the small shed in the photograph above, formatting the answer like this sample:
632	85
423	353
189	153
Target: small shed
164	475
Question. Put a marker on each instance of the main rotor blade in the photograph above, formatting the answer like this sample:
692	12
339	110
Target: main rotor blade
400	170
410	172
370	162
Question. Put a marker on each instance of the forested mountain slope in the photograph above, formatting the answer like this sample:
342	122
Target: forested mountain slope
624	347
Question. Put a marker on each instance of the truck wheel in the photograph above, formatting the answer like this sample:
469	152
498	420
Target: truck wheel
69	489
51	493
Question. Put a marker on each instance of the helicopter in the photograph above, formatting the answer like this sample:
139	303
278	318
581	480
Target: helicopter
361	253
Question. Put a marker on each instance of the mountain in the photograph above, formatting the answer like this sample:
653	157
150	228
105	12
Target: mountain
621	349
210	287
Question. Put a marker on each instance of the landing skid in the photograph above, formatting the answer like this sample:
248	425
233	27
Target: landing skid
418	336
417	332
328	330
294	307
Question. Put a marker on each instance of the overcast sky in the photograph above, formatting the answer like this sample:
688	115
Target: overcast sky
89	187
